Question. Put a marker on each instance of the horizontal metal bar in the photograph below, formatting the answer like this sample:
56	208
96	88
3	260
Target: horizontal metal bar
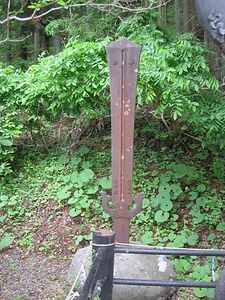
143	282
188	252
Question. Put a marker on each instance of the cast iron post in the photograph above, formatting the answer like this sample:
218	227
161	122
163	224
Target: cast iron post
99	281
123	60
104	243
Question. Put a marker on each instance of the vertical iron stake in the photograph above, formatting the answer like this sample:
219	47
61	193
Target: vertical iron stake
104	240
123	60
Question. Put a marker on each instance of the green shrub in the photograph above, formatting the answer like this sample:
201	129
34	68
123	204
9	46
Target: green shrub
175	81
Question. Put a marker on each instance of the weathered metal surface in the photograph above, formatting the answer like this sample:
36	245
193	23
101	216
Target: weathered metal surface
123	60
212	16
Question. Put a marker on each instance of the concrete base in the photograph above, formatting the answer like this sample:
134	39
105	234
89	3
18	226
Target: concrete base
129	266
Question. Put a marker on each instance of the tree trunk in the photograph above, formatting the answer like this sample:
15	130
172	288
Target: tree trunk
160	11
187	22
165	13
144	3
23	44
46	43
8	56
57	43
177	16
194	14
37	39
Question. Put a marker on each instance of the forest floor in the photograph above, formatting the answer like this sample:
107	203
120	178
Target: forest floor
30	274
33	275
37	213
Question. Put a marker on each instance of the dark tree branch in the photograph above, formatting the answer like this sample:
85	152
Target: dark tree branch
125	6
89	3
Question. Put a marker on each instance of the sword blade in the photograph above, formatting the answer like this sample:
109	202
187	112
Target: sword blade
123	58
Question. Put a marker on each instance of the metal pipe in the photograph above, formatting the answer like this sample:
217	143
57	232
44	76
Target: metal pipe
188	252
142	282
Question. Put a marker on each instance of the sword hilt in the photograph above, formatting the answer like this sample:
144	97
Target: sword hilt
121	209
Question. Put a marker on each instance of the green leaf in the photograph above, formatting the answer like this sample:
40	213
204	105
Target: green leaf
181	266
2	218
198	273
164	189
220	226
155	173
211	237
161	216
192	239
66	178
202	155
193	195
155	200
172	236
200	292
105	215
6	143
198	217
180	240
64	193
147	238
145	203
75	212
2	204
166	205
84	150
201	187
88	237
210	293
92	189
164	179
78	193
86	175
6	241
86	165
73	200
63	159
61	2
74	177
176	189
4	198
202	201
105	183
85	202
180	170
75	160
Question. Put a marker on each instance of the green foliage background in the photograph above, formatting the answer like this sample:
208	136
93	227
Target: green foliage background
179	102
175	85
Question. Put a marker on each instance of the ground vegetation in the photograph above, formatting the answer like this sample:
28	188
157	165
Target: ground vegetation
55	153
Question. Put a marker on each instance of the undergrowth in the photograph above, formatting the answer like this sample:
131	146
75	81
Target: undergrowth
183	204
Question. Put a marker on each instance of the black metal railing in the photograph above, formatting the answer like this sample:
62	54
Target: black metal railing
100	279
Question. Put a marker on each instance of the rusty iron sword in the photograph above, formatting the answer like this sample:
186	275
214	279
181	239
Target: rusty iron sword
123	60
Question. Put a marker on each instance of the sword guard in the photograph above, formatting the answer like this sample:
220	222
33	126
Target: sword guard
105	201
138	200
121	209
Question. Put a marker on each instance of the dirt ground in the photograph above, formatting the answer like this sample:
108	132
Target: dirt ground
28	274
32	276
42	275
